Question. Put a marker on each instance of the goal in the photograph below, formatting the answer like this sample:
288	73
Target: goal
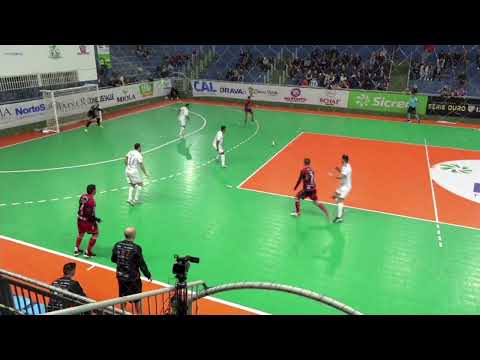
68	102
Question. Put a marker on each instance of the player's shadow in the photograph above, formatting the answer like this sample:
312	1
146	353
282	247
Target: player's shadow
184	149
324	242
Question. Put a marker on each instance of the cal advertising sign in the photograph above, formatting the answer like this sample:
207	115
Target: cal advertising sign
271	93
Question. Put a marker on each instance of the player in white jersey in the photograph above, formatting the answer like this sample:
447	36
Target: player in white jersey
183	116
218	144
345	177
134	162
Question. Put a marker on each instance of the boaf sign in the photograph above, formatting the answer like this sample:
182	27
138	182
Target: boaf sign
460	177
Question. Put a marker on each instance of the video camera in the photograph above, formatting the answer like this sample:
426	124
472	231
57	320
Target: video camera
182	265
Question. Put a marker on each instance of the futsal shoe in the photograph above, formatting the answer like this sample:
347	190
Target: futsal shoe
337	220
89	254
130	202
138	202
295	213
77	252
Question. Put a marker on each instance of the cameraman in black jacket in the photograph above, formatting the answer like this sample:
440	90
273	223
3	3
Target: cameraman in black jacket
129	259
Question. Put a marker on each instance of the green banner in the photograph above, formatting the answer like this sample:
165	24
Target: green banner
384	102
104	57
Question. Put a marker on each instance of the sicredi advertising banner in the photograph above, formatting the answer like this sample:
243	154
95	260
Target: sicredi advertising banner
28	112
384	101
273	93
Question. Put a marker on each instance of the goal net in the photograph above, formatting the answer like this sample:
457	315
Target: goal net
69	103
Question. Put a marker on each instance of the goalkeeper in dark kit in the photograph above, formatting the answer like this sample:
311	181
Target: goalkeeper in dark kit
94	113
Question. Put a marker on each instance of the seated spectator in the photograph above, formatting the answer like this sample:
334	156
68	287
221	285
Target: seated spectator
314	82
445	92
66	282
309	76
304	82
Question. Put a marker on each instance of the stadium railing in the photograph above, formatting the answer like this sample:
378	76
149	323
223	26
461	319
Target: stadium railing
22	295
154	302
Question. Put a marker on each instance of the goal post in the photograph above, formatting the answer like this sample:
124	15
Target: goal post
53	97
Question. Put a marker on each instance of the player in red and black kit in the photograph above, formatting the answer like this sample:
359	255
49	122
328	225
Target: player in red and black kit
307	176
87	221
248	109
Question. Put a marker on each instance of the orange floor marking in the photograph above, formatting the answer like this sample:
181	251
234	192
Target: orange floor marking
98	283
387	176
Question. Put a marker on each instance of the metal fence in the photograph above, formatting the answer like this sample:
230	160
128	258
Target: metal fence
167	301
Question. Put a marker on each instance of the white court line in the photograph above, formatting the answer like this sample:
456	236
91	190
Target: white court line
439	236
111	160
255	311
271	158
388	142
325	113
91	267
160	106
363	209
197	166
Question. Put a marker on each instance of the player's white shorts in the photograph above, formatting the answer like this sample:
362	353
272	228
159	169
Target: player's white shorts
134	177
220	148
183	122
343	191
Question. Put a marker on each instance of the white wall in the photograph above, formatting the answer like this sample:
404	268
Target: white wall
32	59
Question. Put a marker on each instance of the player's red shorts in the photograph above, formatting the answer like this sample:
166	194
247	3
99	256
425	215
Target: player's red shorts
312	194
248	110
87	227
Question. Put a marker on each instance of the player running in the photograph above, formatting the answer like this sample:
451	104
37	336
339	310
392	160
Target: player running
134	161
87	222
307	176
218	145
94	113
249	109
183	116
345	187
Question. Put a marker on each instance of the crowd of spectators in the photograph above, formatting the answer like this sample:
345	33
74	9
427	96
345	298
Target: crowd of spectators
245	64
330	69
143	52
432	67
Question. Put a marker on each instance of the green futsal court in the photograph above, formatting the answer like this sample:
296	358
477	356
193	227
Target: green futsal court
374	262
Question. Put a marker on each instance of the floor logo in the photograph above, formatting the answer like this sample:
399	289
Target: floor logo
460	177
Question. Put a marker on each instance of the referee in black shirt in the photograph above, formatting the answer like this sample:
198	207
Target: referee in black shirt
129	259
67	283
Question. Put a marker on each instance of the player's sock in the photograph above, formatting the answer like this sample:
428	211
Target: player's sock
88	124
324	209
131	190
418	119
297	206
340	210
137	193
222	159
91	243
79	242
99	123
